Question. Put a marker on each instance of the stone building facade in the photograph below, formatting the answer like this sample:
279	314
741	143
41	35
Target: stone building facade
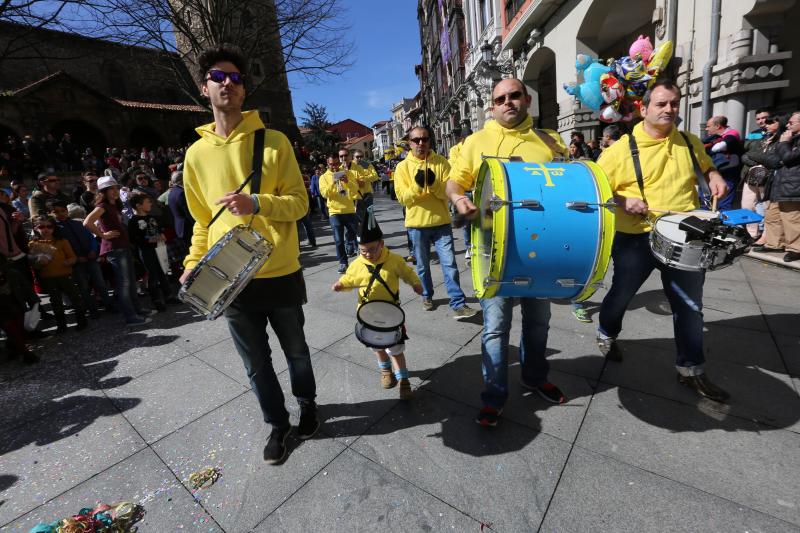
537	41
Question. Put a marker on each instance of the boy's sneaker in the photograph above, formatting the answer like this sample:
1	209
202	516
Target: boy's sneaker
581	314
465	311
427	304
548	392
139	321
405	390
342	268
488	417
608	347
388	380
275	450
309	423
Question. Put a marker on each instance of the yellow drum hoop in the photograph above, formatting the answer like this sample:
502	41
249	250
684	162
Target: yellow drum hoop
492	169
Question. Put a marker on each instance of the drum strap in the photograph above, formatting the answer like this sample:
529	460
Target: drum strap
637	165
702	184
550	142
255	175
376	275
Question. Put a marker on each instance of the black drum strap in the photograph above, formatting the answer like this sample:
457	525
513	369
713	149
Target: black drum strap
376	275
637	165
702	184
254	179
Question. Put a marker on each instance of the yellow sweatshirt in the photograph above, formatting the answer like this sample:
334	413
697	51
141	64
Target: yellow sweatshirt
452	155
394	268
61	250
426	207
368	175
496	140
341	196
667	172
215	166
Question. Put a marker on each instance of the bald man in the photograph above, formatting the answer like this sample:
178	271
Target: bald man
511	133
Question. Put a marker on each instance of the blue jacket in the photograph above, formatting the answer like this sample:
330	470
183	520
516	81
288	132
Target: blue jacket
314	186
184	223
79	238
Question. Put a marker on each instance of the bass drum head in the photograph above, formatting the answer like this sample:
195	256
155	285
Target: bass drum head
488	229
380	316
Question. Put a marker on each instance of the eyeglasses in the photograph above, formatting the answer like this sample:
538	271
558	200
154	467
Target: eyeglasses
420	140
52	180
369	250
218	76
342	156
500	100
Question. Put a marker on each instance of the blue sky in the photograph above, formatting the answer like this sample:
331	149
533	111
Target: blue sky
386	49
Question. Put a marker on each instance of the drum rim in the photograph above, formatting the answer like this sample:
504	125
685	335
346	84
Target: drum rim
606	230
373	344
497	259
380	328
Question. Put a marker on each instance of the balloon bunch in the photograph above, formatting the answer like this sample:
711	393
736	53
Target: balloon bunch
102	519
615	89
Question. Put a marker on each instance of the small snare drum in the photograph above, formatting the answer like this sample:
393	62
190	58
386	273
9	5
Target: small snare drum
380	324
225	271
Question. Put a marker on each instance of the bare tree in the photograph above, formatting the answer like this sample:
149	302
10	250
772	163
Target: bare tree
310	36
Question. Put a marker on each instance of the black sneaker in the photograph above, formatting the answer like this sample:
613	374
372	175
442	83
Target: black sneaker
703	386
275	450
548	392
309	423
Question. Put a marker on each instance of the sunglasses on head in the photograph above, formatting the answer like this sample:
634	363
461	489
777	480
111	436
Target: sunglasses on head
500	100
218	76
419	140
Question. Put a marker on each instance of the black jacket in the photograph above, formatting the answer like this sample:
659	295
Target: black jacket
785	184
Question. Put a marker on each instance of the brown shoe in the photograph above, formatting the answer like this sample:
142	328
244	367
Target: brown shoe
405	390
703	386
388	380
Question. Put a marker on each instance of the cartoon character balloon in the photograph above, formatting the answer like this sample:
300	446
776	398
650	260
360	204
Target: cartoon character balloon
588	92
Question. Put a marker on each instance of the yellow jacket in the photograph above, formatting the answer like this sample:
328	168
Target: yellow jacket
368	175
452	155
215	166
667	172
496	140
426	207
61	251
394	268
341	196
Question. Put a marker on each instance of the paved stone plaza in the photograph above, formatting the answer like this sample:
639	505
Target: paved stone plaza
114	416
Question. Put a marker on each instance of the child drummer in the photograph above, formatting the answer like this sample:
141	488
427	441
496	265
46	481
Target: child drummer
384	286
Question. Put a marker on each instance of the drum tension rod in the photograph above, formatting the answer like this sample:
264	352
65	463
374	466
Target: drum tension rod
585	205
497	203
518	282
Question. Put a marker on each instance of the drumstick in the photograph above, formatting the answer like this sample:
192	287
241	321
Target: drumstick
714	204
699	214
237	191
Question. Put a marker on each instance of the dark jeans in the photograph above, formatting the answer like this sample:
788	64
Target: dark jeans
121	261
345	229
249	331
362	205
86	275
157	283
323	206
58	287
305	222
633	263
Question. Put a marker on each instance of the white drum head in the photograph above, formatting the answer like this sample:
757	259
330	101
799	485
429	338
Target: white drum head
381	315
668	226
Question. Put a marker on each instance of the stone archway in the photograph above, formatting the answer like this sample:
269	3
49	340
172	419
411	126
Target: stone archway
84	135
540	78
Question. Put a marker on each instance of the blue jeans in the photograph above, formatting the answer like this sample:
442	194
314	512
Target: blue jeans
121	261
345	228
86	276
308	227
323	206
442	239
633	263
497	313
249	332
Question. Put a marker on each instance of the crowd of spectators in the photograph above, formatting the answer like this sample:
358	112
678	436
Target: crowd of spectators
119	228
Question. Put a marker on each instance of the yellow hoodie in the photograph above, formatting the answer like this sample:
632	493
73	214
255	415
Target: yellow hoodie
394	268
368	175
215	166
339	203
496	140
426	207
667	172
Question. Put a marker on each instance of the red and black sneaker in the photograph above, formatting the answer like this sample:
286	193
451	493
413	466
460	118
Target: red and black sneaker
488	417
550	393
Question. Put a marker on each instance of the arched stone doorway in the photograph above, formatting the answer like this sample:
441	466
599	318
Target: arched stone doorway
608	29
84	135
143	136
540	78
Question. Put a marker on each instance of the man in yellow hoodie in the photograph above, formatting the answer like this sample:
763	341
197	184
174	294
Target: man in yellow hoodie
668	183
338	186
365	177
419	182
214	167
510	133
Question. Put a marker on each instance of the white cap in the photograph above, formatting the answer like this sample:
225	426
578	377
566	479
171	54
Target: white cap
105	182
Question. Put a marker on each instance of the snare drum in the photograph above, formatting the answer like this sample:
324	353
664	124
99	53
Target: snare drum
225	271
380	324
670	244
543	230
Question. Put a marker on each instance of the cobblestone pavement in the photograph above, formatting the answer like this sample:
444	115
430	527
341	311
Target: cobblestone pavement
112	415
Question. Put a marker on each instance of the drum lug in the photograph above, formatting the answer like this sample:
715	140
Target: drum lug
497	203
518	282
218	272
584	205
568	283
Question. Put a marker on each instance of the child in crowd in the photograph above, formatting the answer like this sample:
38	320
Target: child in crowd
374	255
145	233
86	271
16	297
52	256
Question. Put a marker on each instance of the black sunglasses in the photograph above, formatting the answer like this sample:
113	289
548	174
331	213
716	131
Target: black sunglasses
770	120
500	100
218	76
419	140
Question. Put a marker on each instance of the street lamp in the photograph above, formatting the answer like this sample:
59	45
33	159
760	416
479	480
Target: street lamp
486	53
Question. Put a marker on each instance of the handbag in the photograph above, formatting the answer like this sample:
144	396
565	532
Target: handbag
757	175
32	318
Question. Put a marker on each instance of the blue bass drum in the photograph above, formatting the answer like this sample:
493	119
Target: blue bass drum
543	230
